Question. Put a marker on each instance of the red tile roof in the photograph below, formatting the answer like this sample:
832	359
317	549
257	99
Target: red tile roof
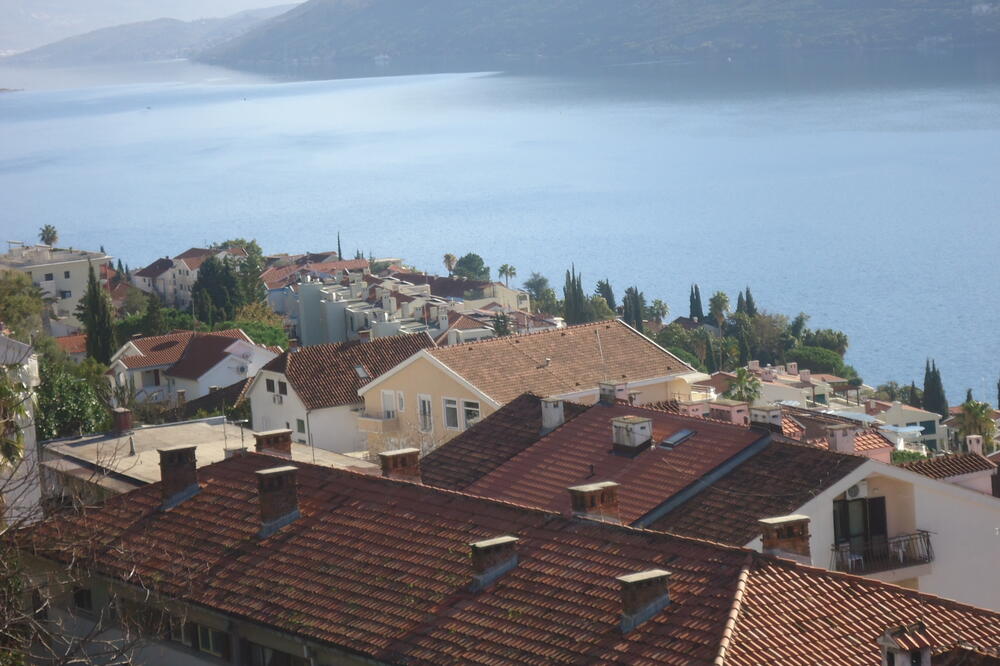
155	269
579	357
464	459
777	481
459	322
326	375
160	350
381	569
955	464
196	256
73	344
809	426
277	277
202	354
581	452
865	441
445	287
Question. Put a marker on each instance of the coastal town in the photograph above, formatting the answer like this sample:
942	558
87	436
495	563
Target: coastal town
230	456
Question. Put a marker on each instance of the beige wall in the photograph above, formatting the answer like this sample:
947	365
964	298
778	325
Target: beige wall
421	377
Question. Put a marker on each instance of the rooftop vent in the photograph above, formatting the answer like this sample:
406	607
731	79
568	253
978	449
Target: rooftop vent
279	499
768	416
678	437
491	559
178	475
606	392
631	434
553	414
643	595
596	500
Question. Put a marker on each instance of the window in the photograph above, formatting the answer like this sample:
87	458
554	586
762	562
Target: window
426	417
181	631
300	425
361	372
470	412
258	655
49	277
82	599
269	385
66	275
388	404
282	388
65	294
930	427
400	401
451	413
213	641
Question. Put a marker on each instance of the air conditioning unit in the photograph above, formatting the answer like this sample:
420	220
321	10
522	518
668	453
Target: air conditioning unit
242	369
858	491
278	399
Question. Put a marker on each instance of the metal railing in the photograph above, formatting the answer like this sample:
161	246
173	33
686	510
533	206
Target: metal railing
883	554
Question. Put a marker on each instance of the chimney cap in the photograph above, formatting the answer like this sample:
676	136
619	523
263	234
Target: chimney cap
640	576
783	520
269	433
591	487
496	541
398	452
631	418
275	471
176	447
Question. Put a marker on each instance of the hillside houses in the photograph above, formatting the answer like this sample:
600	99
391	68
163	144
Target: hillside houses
172	279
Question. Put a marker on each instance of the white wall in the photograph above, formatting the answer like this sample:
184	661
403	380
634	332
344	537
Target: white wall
270	416
336	429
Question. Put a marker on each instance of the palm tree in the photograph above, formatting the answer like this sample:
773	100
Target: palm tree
507	272
48	235
976	418
745	388
449	262
659	310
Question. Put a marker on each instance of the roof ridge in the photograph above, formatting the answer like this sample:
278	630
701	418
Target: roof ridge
507	338
734	612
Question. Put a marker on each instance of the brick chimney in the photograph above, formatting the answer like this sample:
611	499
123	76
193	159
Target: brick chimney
805	376
768	416
697	408
842	437
122	418
401	464
753	366
491	559
553	414
643	594
274	442
278	494
178	475
631	435
607	393
974	443
792	368
786	536
596	500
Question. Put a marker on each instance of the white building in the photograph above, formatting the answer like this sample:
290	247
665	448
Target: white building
20	496
173	279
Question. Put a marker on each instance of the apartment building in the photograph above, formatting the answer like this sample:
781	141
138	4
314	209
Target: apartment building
172	279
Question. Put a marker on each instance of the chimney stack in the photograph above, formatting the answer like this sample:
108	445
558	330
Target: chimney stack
792	368
596	500
696	408
753	366
974	443
906	644
768	416
279	499
643	595
631	435
401	464
786	536
274	442
122	418
491	559
178	475
553	414
730	411
842	437
606	392
805	376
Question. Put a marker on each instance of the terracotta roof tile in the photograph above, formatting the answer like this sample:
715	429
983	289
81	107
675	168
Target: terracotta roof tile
277	277
445	287
202	354
381	568
774	482
156	269
464	459
196	256
581	452
160	350
326	375
73	344
865	441
955	464
579	358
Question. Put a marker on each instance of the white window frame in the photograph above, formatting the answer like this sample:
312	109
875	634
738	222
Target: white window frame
213	649
388	404
424	399
458	413
479	410
400	402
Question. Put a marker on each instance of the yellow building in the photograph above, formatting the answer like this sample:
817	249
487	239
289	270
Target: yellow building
438	393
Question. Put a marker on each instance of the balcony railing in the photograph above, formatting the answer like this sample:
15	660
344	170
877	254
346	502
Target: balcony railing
883	554
378	422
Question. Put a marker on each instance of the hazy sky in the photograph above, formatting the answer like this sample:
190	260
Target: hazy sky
25	24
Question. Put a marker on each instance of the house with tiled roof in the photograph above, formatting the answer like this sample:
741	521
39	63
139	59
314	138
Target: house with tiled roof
313	391
716	480
252	560
473	293
462	328
953	424
455	386
970	469
186	365
172	279
74	345
927	427
827	430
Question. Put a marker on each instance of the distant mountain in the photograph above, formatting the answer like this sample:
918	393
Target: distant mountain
439	35
159	39
27	24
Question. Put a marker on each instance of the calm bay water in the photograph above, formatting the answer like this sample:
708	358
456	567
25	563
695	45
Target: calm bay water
874	208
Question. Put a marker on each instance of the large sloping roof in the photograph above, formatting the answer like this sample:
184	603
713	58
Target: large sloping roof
381	568
327	375
160	350
774	482
156	269
467	457
580	452
277	277
561	361
955	464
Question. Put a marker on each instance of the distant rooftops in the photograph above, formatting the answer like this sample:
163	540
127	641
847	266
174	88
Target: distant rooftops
22	257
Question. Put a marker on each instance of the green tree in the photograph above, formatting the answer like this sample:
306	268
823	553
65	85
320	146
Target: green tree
94	312
914	397
633	307
697	311
501	324
600	308
471	266
797	328
249	287
934	397
976	418
215	294
900	457
22	305
741	304
826	338
340	252
576	306
750	305
745	387
535	285
658	310
675	336
507	272
605	291
14	396
449	263
68	405
718	308
153	321
48	235
818	359
687	357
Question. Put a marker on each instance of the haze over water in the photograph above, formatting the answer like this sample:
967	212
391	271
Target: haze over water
872	208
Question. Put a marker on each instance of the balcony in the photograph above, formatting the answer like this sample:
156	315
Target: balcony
883	554
379	423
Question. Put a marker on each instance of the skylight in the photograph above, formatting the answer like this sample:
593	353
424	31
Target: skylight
362	373
677	438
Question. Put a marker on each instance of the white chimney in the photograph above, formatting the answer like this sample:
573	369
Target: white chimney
974	443
842	437
629	433
793	368
753	366
442	319
553	414
805	376
767	415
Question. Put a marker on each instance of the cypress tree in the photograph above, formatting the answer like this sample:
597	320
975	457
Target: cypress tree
913	399
340	253
604	291
153	322
691	309
633	305
121	269
741	304
934	397
750	305
699	310
94	312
